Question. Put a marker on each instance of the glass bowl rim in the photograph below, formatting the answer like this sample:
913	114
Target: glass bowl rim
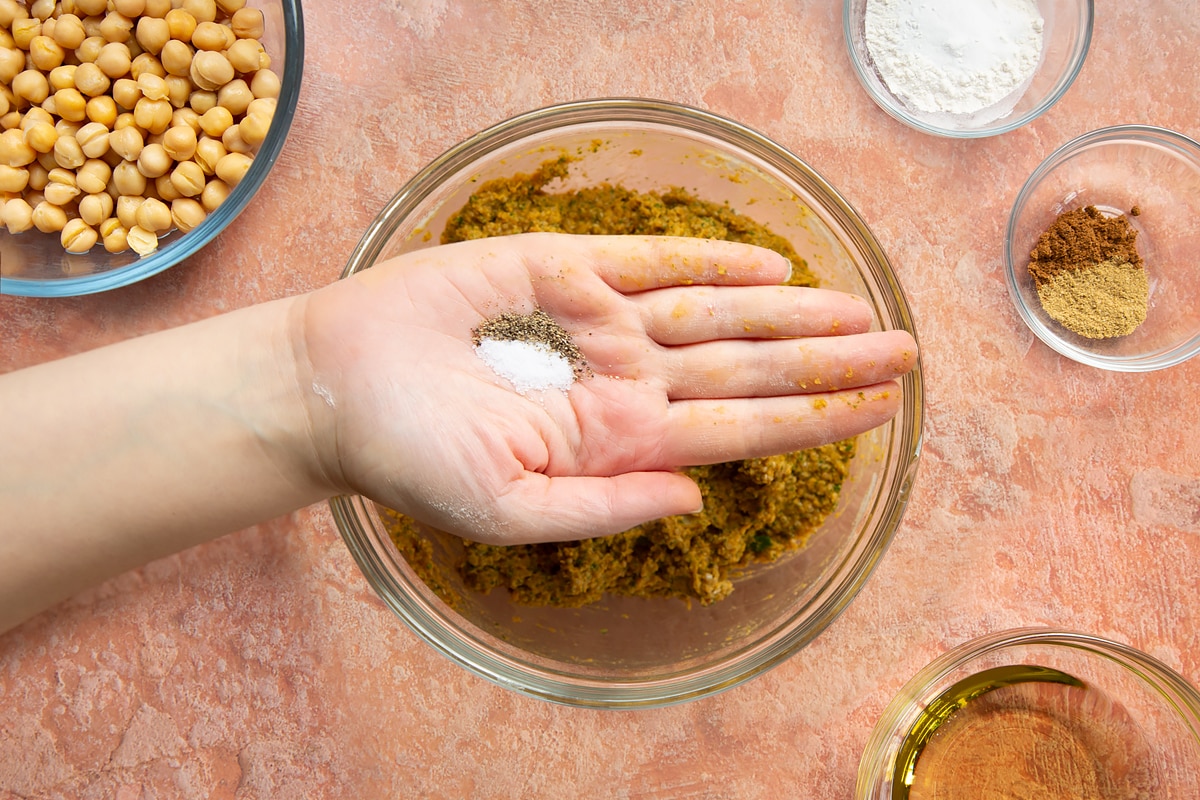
875	766
892	107
1127	132
187	245
784	639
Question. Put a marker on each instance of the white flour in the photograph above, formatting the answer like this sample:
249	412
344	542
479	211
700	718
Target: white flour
954	56
528	366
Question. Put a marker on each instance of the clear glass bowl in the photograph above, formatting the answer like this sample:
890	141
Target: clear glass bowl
1115	169
629	652
34	264
1136	718
1065	40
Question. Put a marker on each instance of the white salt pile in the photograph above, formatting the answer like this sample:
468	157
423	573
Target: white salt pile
529	366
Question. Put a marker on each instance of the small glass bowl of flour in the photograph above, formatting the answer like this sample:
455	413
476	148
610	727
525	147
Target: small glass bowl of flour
967	68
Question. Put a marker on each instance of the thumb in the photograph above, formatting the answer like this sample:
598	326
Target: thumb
538	508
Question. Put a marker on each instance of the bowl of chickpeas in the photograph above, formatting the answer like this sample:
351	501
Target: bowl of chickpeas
132	132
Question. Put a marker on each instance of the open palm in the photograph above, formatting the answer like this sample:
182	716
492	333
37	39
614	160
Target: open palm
699	356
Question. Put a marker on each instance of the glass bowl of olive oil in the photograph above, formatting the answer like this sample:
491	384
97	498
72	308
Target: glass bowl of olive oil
1037	713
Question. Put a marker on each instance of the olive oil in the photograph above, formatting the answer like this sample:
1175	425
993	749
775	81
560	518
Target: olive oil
1023	733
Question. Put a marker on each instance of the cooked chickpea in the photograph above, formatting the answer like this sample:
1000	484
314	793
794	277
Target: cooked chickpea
78	237
17	215
235	96
67	128
187	213
128	179
234	141
90	8
216	121
179	90
70	105
125	120
89	51
233	167
247	23
12	63
114	60
24	31
42	9
39	176
61	194
152	33
164	190
61	77
91	80
211	71
180	142
176	58
127	208
126	93
68	31
181	24
202	10
153	115
157	8
209	36
153	161
5	103
68	153
188	179
154	215
115	240
228	7
127	143
95	208
10	120
130	8
41	136
265	83
14	152
116	27
202	101
48	218
245	55
102	110
31	85
153	86
187	117
45	53
208	153
145	62
142	241
215	192
93	176
254	128
13	179
93	139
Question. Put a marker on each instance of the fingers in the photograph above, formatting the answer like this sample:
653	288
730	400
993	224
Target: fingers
679	315
713	431
542	509
758	368
633	264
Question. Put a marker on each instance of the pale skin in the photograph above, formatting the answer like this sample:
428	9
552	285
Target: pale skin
371	386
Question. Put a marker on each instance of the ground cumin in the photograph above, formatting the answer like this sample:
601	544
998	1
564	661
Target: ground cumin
1088	274
754	510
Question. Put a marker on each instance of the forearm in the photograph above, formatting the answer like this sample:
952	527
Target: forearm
121	455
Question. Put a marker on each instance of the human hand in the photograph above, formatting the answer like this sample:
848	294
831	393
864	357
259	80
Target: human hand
699	355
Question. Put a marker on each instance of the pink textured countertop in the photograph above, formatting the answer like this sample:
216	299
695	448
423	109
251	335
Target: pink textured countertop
261	665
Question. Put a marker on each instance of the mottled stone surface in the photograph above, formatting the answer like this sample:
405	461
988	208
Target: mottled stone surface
261	665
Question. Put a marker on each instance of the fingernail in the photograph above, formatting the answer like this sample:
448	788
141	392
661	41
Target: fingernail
791	270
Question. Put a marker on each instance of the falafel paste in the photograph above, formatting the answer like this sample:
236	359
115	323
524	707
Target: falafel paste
754	510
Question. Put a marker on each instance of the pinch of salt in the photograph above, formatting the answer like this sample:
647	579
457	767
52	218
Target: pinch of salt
528	366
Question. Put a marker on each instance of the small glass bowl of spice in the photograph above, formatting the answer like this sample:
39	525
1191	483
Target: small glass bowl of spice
967	69
1037	713
1102	249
